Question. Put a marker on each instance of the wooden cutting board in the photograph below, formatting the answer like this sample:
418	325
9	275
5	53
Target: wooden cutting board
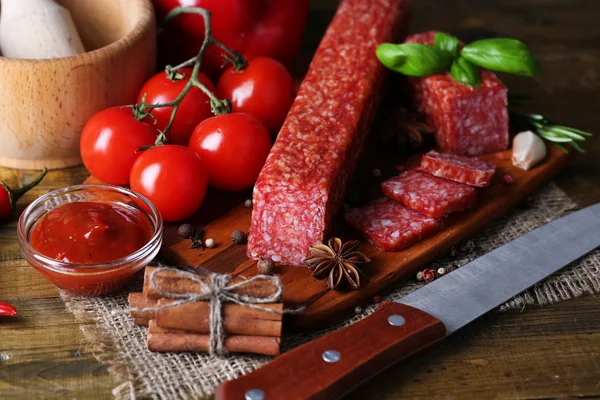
222	213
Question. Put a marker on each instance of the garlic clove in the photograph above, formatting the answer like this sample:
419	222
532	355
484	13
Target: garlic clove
528	150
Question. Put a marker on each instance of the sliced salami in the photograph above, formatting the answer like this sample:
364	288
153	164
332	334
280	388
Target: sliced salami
468	120
391	226
301	186
468	170
428	194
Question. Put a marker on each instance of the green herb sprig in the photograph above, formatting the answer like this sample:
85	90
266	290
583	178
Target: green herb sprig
543	126
560	135
497	54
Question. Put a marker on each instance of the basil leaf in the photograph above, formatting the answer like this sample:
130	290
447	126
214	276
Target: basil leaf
465	72
502	54
413	59
447	43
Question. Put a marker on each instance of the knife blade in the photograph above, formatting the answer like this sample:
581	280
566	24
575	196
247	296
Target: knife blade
334	364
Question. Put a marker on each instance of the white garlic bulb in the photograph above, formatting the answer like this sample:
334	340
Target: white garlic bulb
528	150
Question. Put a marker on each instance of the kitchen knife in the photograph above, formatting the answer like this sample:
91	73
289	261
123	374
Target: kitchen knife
334	364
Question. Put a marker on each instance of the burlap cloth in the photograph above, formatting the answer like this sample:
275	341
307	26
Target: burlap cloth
116	341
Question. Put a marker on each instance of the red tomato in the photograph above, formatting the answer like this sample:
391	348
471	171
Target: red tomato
194	108
265	90
233	147
109	142
173	178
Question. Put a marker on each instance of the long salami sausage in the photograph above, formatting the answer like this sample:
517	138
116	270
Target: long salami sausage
301	186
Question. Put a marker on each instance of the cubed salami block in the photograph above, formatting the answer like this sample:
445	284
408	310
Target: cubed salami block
303	181
391	226
467	120
428	194
468	170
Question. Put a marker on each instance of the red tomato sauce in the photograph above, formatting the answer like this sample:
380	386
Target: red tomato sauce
90	233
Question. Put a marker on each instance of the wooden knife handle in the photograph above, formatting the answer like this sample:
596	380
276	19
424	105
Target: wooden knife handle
332	365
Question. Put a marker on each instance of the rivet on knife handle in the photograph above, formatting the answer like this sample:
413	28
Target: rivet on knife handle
331	365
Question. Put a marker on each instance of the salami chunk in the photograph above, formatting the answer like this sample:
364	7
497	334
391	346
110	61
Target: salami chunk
468	170
428	194
302	184
467	120
391	226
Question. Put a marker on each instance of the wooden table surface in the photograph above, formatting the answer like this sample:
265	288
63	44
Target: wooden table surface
537	353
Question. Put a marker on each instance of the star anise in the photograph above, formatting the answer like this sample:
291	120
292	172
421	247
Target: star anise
337	259
407	125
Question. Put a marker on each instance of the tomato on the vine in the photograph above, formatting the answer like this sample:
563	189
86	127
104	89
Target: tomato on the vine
265	90
271	28
173	178
109	143
194	108
233	148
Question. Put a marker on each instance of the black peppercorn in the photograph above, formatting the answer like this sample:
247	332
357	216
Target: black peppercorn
265	266
186	231
238	237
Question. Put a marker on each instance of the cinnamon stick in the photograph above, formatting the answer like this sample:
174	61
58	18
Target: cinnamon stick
196	316
139	301
170	281
141	321
164	340
237	320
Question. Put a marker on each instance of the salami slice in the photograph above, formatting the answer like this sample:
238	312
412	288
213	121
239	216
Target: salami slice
428	194
468	120
302	184
391	226
468	170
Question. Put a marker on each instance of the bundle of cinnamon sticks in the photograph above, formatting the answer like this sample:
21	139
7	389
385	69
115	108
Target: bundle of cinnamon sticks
187	327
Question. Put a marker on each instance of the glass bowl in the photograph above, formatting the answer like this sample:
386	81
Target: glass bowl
90	279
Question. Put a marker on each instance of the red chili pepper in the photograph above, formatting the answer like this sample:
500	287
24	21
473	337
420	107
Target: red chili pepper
7	310
9	197
508	179
272	28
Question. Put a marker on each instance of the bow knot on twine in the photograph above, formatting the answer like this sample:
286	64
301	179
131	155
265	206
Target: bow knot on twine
217	289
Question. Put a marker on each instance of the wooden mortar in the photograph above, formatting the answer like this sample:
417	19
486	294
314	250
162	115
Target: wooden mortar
44	104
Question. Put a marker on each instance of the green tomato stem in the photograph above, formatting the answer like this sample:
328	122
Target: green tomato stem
183	64
218	106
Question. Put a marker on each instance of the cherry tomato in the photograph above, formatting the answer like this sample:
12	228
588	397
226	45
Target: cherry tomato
265	90
194	108
233	147
173	178
109	142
